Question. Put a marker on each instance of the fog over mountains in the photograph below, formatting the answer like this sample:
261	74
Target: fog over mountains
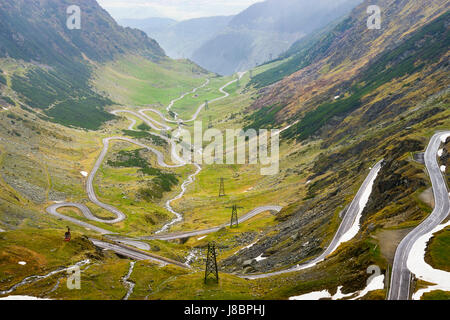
235	43
180	39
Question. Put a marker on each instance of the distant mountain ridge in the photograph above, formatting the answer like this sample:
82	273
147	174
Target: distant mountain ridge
226	44
180	39
265	30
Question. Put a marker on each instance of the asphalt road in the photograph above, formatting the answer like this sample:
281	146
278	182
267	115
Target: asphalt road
401	276
85	210
346	224
120	216
181	235
134	254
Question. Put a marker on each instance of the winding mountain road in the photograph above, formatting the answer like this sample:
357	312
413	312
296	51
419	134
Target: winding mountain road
120	216
135	254
401	276
346	230
188	234
53	210
347	223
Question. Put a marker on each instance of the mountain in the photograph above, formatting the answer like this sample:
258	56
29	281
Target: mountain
180	39
347	98
265	30
343	61
355	96
59	61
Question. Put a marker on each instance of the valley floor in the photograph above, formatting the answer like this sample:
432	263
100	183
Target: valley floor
50	177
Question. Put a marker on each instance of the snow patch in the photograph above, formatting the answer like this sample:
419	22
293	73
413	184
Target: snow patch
201	238
317	295
353	231
247	247
22	263
440	152
423	271
250	245
33	279
286	128
418	295
260	258
84	173
192	256
377	283
22	298
443	168
444	137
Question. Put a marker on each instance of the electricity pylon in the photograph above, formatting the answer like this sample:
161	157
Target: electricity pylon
234	217
210	123
211	263
222	188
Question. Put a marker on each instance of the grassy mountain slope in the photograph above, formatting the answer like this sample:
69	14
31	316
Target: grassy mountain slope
424	53
399	88
135	80
331	63
56	63
393	96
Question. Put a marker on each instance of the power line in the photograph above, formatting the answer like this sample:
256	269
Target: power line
234	216
222	188
211	263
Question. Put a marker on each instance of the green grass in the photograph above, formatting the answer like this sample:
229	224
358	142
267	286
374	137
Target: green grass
146	135
301	54
8	100
162	181
73	112
436	295
438	254
42	250
134	80
190	103
192	287
384	69
127	188
2	79
64	96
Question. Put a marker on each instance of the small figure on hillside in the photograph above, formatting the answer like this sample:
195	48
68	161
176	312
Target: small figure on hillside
68	236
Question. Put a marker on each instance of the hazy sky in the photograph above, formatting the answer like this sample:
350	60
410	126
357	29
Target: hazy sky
175	9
